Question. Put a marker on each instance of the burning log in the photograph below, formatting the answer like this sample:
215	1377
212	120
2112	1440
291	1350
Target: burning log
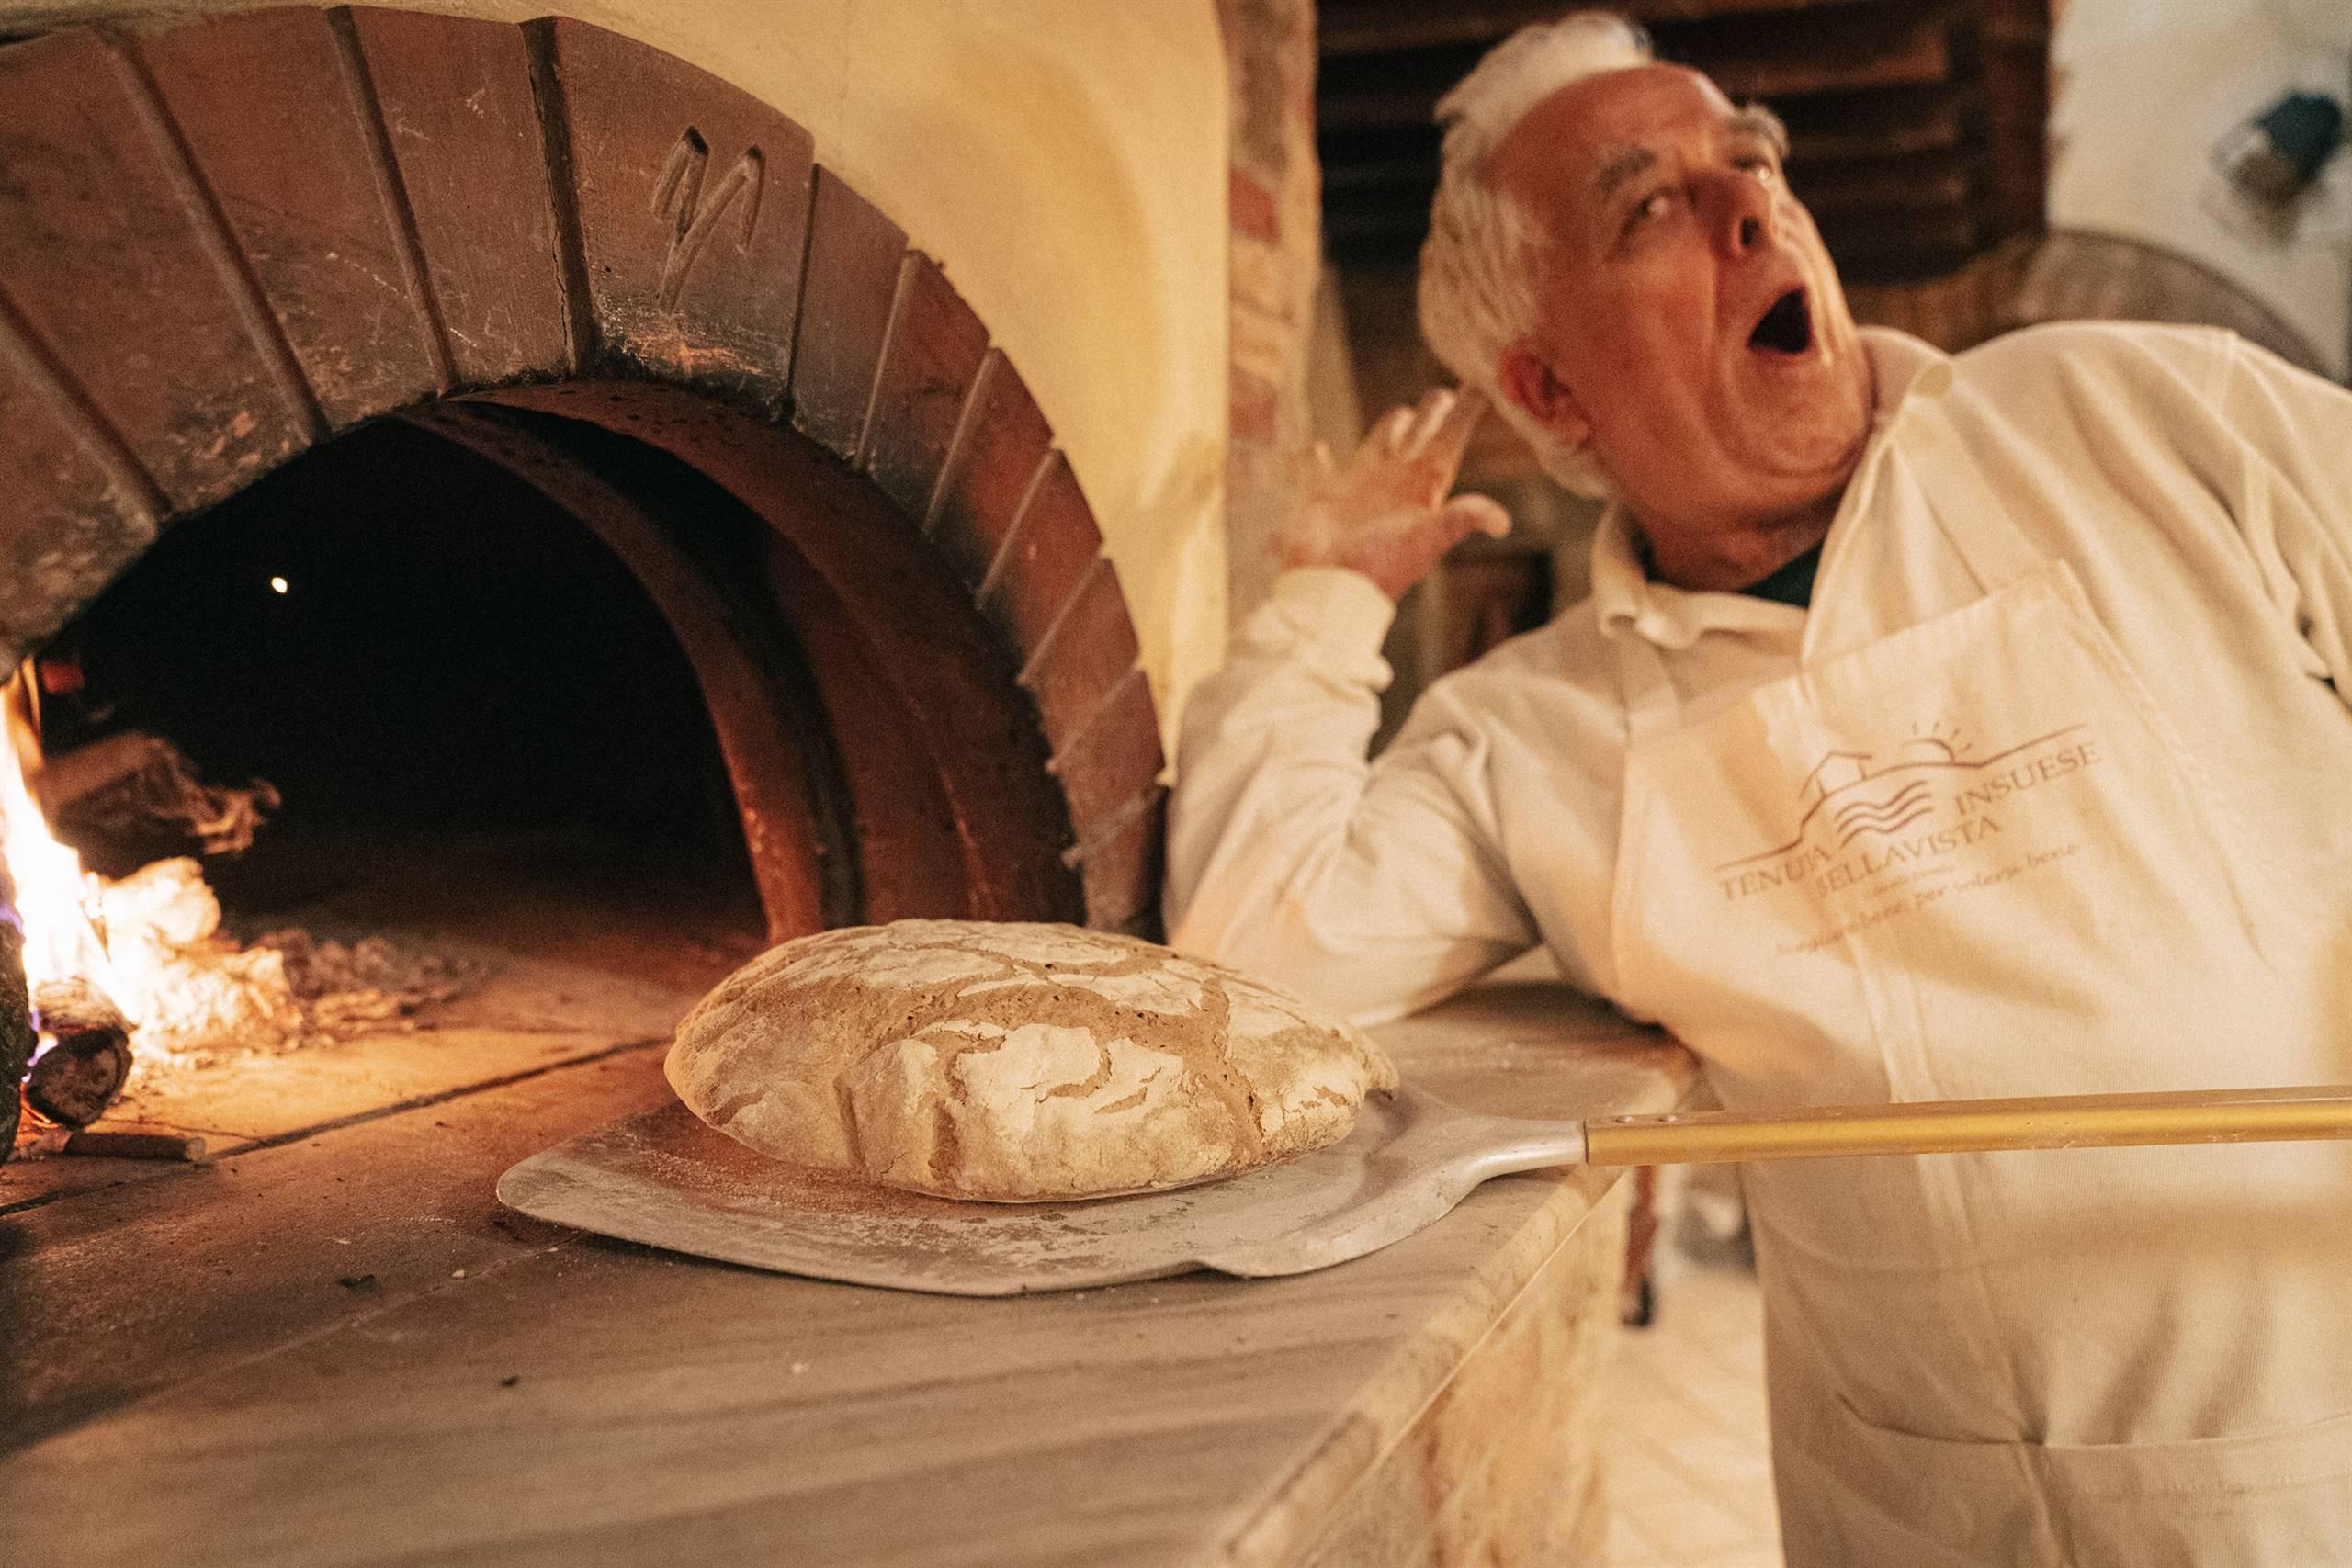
74	1081
134	786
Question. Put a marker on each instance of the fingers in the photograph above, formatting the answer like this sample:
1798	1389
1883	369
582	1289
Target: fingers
1442	423
1436	426
1450	436
1428	414
1476	515
1449	431
1409	458
1442	427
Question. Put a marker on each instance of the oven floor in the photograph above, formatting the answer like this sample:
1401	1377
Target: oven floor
335	1350
347	1177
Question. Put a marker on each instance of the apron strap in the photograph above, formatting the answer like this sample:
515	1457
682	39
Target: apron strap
1979	525
1651	704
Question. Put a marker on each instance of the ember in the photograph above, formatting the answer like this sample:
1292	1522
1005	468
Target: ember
151	944
56	897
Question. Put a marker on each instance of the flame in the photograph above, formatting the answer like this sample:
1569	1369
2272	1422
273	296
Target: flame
151	941
55	899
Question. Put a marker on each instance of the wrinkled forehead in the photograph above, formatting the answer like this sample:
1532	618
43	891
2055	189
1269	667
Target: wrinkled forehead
1565	145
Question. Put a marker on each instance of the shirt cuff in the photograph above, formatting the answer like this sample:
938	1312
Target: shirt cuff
1333	608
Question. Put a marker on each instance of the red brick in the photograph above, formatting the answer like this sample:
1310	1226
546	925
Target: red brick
1121	872
461	124
1044	560
320	230
70	524
1003	443
854	264
1089	652
692	225
910	851
915	621
936	349
110	249
1254	406
1115	758
1251	209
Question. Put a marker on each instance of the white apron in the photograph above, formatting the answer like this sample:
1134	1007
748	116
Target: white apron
1961	853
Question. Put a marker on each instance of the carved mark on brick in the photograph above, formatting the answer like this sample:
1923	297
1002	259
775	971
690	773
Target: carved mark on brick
677	196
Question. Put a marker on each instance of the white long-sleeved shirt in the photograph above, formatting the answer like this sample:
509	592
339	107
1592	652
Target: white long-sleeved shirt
2201	488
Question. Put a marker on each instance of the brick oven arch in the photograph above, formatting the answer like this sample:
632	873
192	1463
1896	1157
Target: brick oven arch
224	242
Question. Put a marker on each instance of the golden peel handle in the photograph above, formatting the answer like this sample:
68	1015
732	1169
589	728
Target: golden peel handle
1960	1126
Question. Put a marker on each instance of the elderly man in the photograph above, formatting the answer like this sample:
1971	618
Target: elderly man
1936	729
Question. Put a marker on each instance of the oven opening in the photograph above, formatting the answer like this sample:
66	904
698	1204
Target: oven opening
435	751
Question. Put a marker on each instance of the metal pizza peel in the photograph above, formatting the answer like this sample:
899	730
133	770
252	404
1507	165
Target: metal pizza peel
665	1180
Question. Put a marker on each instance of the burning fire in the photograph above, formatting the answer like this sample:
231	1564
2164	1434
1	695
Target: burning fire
152	942
56	899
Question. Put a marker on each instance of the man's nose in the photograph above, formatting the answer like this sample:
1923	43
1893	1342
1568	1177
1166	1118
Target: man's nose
1743	215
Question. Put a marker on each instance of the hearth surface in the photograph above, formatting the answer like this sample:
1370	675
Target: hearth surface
566	948
334	1348
316	1200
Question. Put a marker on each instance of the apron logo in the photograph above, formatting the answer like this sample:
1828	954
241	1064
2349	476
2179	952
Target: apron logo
1863	816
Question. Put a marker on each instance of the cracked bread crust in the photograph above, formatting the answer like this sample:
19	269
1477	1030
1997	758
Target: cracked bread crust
1015	1063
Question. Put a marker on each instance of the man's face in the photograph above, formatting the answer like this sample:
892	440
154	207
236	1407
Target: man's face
1692	326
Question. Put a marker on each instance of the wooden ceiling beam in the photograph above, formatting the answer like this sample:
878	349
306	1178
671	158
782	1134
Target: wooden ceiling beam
1383	27
1883	235
1915	125
1877	48
1827	128
1916	52
1903	184
1926	147
1345	181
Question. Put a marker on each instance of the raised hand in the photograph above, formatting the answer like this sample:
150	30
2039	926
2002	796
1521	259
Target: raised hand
1385	513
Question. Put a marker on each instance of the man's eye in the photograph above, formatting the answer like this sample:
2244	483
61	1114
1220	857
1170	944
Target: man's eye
1763	169
1654	205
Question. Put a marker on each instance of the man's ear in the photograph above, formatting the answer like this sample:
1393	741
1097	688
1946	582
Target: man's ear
1528	381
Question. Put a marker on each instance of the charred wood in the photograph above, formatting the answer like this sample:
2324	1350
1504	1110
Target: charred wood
186	1146
74	1080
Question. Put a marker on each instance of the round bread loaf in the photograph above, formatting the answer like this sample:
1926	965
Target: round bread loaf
1014	1062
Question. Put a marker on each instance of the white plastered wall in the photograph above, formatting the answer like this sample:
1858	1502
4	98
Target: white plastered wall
1065	160
2145	88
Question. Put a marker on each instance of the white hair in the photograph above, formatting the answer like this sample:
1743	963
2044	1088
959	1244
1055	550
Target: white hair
1481	264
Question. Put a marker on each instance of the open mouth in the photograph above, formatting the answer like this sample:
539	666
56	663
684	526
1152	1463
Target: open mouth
1787	327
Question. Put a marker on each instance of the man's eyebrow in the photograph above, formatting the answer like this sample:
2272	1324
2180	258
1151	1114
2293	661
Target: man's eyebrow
1623	167
1756	121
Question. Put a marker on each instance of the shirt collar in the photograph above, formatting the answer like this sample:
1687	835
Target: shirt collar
1630	602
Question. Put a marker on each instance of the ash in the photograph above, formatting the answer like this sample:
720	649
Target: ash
198	997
